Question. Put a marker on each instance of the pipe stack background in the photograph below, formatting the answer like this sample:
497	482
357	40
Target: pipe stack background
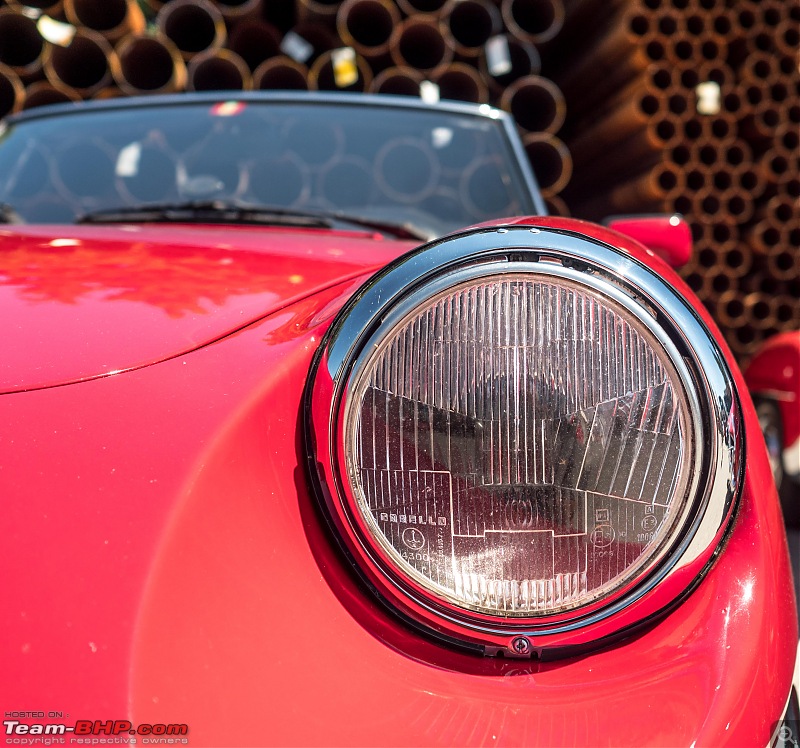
661	105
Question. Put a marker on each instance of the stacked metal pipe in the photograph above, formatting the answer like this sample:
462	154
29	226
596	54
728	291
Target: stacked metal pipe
694	106
473	50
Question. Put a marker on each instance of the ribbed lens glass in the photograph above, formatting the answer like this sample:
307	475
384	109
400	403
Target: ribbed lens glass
517	445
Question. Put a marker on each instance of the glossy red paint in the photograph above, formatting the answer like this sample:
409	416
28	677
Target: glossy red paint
669	236
775	371
165	562
84	301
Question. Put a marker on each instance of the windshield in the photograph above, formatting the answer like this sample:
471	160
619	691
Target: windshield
434	169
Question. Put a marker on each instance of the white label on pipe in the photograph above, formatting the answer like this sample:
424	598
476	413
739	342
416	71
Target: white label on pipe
296	47
56	32
709	98
498	56
429	92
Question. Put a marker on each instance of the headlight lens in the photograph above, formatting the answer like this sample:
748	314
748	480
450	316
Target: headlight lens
518	445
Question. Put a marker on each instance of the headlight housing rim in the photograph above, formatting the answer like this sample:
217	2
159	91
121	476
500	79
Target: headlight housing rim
704	521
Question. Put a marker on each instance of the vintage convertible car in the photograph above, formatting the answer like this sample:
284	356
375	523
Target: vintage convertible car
290	456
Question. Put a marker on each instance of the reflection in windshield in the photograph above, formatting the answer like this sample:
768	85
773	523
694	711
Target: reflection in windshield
437	170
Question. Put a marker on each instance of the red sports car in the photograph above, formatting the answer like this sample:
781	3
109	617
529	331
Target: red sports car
303	441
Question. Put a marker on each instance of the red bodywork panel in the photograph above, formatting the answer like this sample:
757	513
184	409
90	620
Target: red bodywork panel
173	288
165	562
775	371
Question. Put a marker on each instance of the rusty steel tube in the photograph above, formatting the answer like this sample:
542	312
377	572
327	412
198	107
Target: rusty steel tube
760	311
86	64
415	7
644	149
280	73
626	38
469	24
656	80
739	205
669	22
556	206
400	81
419	42
23	49
255	41
550	160
321	75
194	26
632	116
112	18
784	263
523	59
787	37
781	209
42	93
739	260
234	11
764	237
12	91
724	233
52	8
460	82
149	64
222	70
750	180
717	71
662	182
759	66
367	26
723	180
721	128
787	310
730	309
536	104
109	92
536	21
317	11
648	191
697	178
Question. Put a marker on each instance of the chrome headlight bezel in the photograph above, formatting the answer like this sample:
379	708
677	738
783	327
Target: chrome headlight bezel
707	382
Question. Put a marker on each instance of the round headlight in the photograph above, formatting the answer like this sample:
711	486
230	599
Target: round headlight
518	440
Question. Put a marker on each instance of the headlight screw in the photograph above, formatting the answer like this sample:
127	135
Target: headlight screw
520	645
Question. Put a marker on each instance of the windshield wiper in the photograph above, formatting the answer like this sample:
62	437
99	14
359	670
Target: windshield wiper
211	211
405	230
226	211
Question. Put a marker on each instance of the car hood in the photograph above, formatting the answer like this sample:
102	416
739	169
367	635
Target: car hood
79	302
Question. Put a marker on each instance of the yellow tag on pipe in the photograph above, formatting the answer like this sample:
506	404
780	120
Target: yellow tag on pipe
345	71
